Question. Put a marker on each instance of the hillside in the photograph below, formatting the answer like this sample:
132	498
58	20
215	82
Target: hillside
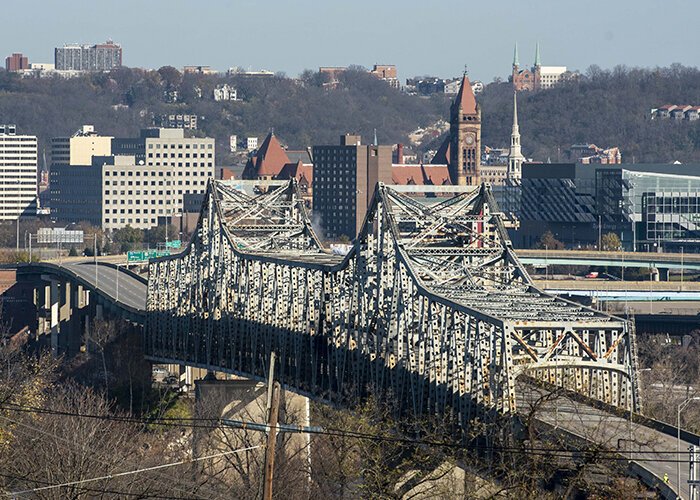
607	108
301	112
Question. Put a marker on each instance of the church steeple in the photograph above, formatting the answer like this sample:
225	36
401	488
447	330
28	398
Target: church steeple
516	62
538	62
515	156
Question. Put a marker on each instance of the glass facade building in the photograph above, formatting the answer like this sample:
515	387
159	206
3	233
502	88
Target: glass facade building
650	206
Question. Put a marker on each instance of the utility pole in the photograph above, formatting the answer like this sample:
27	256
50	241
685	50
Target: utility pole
271	441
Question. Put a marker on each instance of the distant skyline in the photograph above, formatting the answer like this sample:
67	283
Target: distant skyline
420	38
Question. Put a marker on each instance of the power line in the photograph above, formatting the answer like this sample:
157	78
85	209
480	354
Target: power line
160	479
217	423
137	471
99	490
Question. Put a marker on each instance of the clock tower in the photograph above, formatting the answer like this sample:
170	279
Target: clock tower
465	137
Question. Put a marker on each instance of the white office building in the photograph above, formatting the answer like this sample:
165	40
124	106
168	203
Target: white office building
18	177
147	193
551	75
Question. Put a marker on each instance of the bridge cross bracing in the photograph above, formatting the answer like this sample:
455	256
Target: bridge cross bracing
431	305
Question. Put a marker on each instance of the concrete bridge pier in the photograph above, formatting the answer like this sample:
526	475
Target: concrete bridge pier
659	273
64	309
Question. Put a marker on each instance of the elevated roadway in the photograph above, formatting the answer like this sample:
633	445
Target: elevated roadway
650	446
676	261
115	284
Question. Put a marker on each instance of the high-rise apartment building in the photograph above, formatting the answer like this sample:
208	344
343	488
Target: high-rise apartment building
344	181
100	57
140	182
18	179
16	62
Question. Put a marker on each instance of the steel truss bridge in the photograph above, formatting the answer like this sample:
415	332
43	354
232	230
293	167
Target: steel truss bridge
430	305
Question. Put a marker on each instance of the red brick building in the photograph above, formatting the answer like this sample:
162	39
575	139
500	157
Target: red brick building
16	62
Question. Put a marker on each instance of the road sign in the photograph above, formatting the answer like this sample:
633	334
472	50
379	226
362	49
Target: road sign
58	235
173	244
142	256
135	256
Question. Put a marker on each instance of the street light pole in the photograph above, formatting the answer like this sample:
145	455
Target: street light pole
681	268
681	407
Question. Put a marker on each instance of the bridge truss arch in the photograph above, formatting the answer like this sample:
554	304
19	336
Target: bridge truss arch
431	304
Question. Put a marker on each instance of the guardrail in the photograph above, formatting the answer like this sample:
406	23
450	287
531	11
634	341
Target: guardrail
608	255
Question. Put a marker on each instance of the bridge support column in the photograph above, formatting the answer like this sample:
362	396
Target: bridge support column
54	307
663	274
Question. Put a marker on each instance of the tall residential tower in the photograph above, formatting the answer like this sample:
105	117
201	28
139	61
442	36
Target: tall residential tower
18	181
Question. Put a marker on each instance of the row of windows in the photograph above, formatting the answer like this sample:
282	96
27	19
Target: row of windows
153	183
129	221
136	211
179	164
145	193
179	146
180	155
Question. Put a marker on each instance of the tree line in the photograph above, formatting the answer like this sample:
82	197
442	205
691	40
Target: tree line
302	111
605	107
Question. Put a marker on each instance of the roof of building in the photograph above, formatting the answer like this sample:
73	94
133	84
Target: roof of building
465	98
303	173
268	161
303	155
442	157
420	174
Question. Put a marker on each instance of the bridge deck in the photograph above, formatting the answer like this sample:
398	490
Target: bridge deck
652	449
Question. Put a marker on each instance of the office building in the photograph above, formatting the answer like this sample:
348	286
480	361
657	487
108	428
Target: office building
16	62
100	57
344	179
18	166
79	148
75	193
649	206
141	182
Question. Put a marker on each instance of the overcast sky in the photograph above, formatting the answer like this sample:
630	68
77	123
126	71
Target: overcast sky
436	37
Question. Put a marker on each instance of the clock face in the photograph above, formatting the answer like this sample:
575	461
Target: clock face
469	139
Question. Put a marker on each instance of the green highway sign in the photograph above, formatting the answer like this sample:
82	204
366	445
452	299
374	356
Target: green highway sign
135	256
145	255
173	244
